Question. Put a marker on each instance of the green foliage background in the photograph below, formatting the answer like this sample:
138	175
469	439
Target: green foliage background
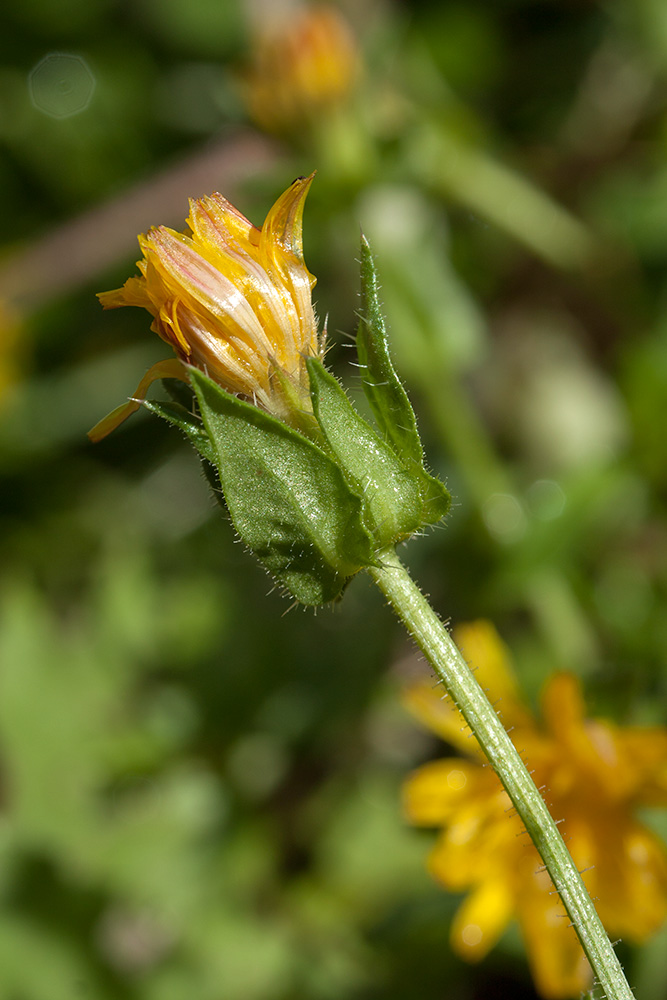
200	792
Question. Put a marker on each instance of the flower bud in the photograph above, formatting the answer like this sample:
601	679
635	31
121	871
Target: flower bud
231	300
312	488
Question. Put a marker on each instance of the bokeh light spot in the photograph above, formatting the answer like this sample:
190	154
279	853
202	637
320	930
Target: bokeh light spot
61	85
472	935
456	780
504	517
546	499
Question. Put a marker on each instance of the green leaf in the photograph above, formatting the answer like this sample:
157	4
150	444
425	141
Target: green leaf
388	399
391	493
289	502
436	498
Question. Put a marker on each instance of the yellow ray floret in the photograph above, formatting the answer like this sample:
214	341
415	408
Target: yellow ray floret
596	774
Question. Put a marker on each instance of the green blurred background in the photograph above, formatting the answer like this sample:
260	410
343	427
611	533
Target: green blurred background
199	791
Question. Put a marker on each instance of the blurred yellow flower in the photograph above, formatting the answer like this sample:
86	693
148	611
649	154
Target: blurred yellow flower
302	65
593	775
231	299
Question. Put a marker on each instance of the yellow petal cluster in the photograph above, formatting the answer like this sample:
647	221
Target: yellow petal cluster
593	774
230	299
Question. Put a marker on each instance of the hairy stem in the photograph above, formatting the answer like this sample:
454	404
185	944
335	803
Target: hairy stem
435	642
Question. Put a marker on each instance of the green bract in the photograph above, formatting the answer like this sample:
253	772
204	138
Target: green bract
387	397
316	510
392	502
288	500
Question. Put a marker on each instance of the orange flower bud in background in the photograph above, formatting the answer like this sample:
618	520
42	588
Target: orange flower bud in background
303	65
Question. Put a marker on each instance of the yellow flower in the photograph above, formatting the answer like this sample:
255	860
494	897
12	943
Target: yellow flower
593	775
230	299
303	64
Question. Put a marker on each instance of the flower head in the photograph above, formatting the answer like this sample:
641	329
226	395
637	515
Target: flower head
230	299
594	774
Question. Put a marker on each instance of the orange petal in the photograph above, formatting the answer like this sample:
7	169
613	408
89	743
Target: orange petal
560	968
438	789
590	745
215	223
283	224
133	293
646	749
563	707
163	369
479	843
481	919
435	709
488	656
633	903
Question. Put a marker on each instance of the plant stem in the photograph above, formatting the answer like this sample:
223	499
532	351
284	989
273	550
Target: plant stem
435	642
